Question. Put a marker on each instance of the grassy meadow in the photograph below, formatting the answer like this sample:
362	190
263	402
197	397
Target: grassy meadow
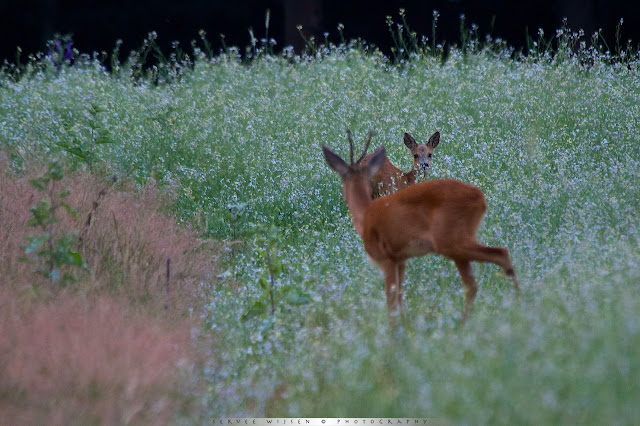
552	139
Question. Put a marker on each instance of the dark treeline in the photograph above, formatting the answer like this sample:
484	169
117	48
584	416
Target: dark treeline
96	26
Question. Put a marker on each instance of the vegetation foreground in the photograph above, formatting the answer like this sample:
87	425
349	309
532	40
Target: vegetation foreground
292	312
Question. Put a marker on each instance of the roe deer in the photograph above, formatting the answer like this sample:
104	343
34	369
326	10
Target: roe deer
390	178
437	216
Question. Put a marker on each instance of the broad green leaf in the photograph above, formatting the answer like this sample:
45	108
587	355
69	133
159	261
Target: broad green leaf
78	152
277	266
104	140
75	258
264	284
63	145
258	308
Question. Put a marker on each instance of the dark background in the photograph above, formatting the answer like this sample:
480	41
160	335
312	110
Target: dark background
96	25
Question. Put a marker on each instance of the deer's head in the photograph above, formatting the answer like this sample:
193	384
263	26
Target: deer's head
423	152
355	176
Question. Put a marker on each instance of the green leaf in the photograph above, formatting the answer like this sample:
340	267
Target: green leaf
276	266
298	297
72	212
63	145
78	152
266	324
97	108
37	184
274	234
67	278
283	290
75	258
41	214
35	242
103	140
55	171
264	284
64	193
259	308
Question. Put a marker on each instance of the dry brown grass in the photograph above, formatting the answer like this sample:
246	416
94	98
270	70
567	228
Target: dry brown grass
130	240
71	362
126	244
103	349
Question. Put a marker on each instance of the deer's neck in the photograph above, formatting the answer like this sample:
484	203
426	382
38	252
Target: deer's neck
411	176
357	196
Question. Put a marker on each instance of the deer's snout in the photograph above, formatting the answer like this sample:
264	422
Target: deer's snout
424	165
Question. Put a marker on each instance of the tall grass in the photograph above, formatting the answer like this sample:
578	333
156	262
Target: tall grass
551	138
113	345
69	363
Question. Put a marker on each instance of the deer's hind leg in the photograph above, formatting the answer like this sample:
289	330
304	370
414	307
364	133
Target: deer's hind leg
497	255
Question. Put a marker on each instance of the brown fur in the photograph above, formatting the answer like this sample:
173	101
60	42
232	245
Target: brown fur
438	216
390	178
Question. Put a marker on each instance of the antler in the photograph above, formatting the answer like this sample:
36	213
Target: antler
350	144
366	147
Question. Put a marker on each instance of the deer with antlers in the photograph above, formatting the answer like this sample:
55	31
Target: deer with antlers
390	178
437	216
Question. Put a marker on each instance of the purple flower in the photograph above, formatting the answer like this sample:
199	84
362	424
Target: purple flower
68	53
60	51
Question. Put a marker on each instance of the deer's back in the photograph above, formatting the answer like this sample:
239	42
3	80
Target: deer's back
423	217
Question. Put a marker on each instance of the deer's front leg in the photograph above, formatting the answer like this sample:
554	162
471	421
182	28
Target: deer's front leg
393	277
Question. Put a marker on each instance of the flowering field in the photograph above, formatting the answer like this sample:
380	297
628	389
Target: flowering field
552	141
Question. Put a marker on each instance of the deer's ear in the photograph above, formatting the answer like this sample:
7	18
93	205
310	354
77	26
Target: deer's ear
376	161
409	141
335	162
434	140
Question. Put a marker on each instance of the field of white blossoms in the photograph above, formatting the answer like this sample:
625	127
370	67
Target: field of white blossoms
297	314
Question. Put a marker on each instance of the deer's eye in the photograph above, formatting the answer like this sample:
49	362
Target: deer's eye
430	155
415	156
